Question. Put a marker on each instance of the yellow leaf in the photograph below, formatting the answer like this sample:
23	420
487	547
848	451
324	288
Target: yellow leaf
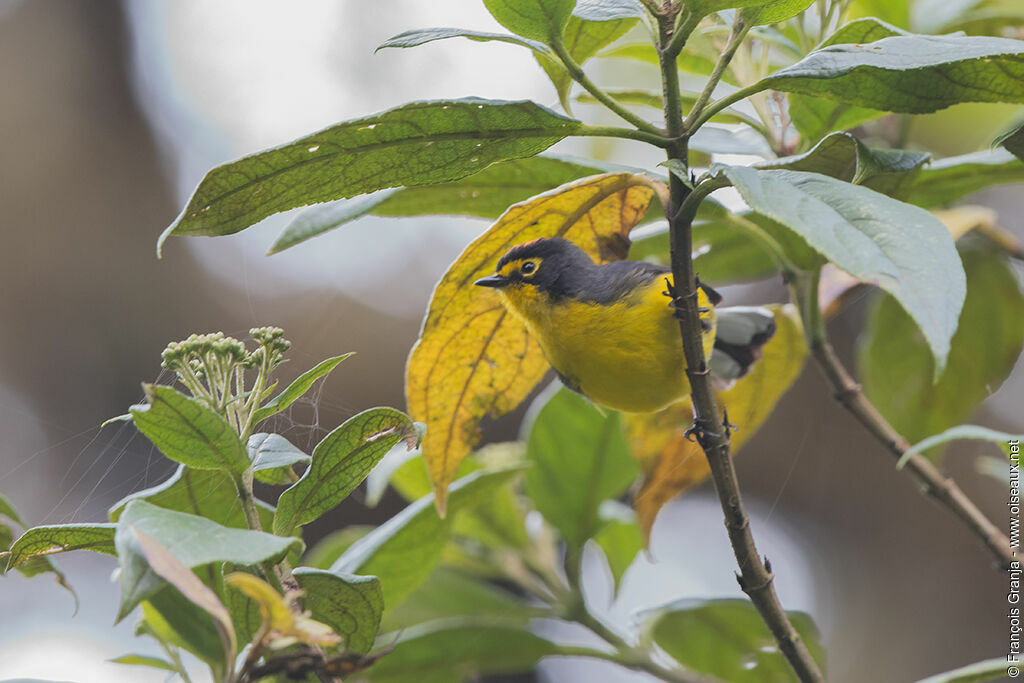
278	620
473	358
671	463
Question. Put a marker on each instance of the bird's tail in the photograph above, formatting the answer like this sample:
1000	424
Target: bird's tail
741	332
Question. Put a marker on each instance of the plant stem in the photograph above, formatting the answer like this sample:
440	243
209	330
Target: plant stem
756	577
658	140
739	32
625	654
577	74
932	482
726	102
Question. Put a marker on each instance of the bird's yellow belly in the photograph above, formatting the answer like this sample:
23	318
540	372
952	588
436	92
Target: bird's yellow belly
627	356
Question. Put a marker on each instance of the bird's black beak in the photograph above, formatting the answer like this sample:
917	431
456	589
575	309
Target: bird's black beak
492	281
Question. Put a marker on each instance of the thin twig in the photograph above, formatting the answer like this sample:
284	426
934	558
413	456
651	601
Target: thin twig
932	482
656	139
739	32
577	74
755	576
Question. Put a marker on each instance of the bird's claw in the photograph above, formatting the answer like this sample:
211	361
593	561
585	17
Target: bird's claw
699	429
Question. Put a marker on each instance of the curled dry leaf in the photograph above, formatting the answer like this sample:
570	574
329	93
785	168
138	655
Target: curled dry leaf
473	358
670	462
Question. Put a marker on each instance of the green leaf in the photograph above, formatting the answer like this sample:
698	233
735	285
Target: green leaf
451	593
351	605
705	7
619	538
901	248
61	538
579	457
727	639
717	140
8	510
273	457
844	157
584	34
145	660
972	432
328	549
193	540
455	651
340	463
897	371
607	10
723	252
164	564
207	493
646	53
177	621
403	551
775	12
416	144
186	431
946	180
485	194
245	612
297	388
427	35
988	670
815	117
911	74
541	20
1013	139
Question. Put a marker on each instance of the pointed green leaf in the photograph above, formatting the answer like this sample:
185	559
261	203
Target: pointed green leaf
578	458
145	660
971	432
193	540
728	639
1013	139
351	605
451	593
815	117
901	248
988	670
607	10
911	74
340	463
427	35
173	619
447	651
164	564
297	388
403	551
535	19
207	493
273	457
8	510
584	34
844	157
186	431
897	370
416	144
486	194
946	180
61	538
619	538
775	12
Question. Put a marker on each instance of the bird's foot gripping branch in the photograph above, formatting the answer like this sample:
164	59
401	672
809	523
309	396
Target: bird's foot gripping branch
825	97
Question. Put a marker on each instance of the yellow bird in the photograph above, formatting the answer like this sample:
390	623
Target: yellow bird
609	330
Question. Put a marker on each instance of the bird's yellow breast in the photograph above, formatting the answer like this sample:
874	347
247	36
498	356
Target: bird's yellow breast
626	355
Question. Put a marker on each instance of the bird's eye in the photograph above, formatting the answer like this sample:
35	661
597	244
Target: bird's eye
528	267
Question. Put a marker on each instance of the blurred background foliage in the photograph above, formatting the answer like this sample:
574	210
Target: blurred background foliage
112	112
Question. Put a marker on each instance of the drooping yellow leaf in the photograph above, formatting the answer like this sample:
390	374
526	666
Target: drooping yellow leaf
473	358
671	463
281	627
